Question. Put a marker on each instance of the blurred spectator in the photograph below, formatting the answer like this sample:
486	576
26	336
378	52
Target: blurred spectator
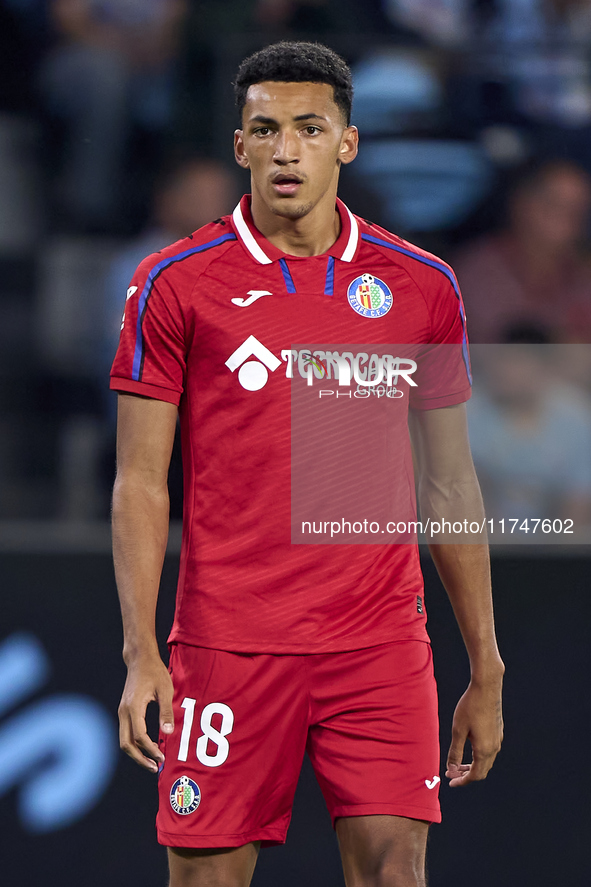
530	434
522	63
541	48
112	66
439	21
318	17
574	365
534	271
191	193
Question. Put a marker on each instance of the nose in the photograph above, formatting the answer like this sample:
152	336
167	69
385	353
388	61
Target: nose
286	148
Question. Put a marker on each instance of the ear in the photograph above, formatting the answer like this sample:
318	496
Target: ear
349	144
239	152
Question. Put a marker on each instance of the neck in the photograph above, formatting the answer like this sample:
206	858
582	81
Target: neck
310	235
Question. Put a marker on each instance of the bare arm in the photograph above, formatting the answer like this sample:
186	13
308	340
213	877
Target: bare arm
145	435
448	488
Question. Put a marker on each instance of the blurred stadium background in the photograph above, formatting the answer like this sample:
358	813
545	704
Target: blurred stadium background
115	138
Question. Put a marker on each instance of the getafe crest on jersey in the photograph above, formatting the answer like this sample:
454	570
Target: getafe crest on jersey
185	796
369	296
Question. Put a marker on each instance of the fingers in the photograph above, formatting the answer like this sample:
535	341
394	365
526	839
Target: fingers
166	714
477	717
135	741
457	773
456	750
462	774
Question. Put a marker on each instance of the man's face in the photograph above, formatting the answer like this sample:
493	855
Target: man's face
293	141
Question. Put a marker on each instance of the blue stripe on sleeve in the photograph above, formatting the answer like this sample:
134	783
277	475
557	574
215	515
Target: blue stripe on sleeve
439	266
138	355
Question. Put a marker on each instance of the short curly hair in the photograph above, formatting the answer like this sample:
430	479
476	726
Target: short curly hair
297	62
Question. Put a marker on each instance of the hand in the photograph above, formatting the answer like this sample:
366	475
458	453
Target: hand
147	681
479	718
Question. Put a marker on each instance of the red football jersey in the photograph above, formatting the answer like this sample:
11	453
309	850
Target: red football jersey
218	323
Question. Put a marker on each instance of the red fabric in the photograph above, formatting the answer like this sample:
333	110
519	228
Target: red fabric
499	297
243	586
368	719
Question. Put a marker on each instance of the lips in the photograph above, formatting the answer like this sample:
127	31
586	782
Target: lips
286	184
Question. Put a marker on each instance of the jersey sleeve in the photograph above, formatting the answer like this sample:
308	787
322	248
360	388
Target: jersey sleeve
151	357
443	374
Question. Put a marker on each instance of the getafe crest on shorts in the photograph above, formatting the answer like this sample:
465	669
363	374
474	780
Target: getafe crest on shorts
369	296
185	796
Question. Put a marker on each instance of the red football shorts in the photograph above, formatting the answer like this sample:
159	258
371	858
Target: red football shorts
367	718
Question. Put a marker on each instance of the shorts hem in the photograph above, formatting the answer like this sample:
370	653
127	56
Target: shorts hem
409	811
267	837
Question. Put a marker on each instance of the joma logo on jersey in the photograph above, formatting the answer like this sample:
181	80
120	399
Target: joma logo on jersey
368	370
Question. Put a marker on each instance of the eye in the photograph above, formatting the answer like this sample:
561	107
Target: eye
262	131
312	130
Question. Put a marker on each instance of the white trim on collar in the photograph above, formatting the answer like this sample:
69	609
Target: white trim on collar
351	247
247	238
